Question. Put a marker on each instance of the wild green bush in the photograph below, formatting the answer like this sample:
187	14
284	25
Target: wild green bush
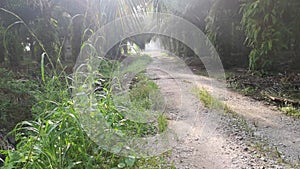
55	139
143	97
291	110
266	30
223	28
141	91
16	99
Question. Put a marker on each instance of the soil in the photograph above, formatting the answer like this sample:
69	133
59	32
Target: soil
257	136
284	85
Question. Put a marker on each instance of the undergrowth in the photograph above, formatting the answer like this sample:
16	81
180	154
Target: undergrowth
55	138
291	110
16	98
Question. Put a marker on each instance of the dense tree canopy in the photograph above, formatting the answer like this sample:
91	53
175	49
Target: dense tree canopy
46	26
260	32
268	29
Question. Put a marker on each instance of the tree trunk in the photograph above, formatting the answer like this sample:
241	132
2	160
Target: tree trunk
1	56
76	39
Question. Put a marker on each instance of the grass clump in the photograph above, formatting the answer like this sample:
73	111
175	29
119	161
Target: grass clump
142	103
249	91
142	100
291	111
141	92
135	64
55	137
16	99
209	101
145	96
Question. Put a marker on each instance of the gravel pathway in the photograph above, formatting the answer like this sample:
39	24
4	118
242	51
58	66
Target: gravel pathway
258	137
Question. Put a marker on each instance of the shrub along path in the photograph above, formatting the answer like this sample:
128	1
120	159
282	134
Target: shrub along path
248	134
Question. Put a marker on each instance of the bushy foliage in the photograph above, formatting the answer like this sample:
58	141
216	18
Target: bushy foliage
265	30
270	27
55	137
223	27
16	99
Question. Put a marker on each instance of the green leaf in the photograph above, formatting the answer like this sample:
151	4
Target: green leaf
266	18
130	161
270	44
43	67
54	22
121	165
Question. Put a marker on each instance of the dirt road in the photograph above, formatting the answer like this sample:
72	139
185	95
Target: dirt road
259	137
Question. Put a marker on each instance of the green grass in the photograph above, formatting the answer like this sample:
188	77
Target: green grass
145	95
141	92
142	103
249	91
215	104
56	139
162	123
291	111
209	101
16	99
138	64
107	67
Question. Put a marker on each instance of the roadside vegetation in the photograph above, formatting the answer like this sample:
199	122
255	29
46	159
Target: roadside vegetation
54	138
39	125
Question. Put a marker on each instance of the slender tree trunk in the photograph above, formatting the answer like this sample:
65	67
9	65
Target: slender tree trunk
76	37
13	60
33	57
1	57
2	54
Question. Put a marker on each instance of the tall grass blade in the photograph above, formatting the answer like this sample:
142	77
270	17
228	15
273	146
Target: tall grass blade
43	67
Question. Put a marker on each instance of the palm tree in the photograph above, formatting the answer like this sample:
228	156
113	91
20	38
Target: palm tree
54	21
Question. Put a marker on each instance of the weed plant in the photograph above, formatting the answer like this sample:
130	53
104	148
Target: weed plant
209	101
55	138
16	99
291	110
